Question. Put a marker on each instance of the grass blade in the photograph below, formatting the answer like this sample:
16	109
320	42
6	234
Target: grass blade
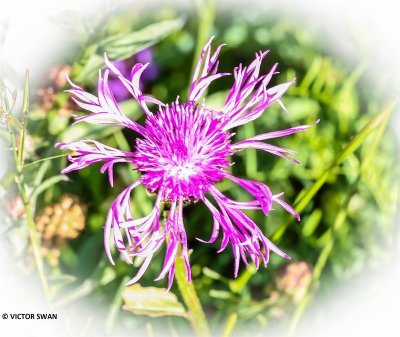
307	195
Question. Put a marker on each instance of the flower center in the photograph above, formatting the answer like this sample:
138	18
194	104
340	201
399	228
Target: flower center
183	153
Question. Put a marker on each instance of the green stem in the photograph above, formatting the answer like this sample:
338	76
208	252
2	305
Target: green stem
251	154
25	110
33	235
196	314
44	159
206	16
18	153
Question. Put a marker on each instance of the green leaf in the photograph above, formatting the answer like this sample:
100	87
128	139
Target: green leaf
301	108
250	154
151	301
46	184
115	307
220	294
212	274
40	172
230	325
312	223
57	123
91	131
364	133
58	284
12	121
121	46
62	280
84	289
25	102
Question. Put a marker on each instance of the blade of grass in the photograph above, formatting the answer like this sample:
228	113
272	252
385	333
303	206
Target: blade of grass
39	173
320	264
44	159
380	121
45	185
115	307
76	294
121	141
251	154
230	325
311	74
206	16
307	195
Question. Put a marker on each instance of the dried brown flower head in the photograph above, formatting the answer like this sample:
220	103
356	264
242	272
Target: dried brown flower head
57	223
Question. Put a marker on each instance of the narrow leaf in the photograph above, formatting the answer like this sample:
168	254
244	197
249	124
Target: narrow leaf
62	280
230	325
46	184
351	147
122	46
306	195
25	103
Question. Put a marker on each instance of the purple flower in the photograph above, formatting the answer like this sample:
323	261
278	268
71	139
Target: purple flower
182	151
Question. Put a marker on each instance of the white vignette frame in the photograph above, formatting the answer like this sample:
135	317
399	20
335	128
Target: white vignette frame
30	40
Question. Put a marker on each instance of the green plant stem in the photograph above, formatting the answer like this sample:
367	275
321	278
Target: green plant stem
19	157
25	110
251	154
196	314
206	16
33	235
239	283
44	159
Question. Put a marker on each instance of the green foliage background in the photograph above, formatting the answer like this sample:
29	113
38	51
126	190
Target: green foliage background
346	189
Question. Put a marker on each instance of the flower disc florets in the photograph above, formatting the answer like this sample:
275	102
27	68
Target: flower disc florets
183	152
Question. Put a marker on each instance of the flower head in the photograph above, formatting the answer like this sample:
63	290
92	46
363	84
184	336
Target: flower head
182	151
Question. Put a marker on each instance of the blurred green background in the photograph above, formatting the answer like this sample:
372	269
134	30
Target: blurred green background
346	189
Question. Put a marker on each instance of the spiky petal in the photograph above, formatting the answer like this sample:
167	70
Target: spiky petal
182	151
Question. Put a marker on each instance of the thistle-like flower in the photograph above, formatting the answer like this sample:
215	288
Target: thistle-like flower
182	151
